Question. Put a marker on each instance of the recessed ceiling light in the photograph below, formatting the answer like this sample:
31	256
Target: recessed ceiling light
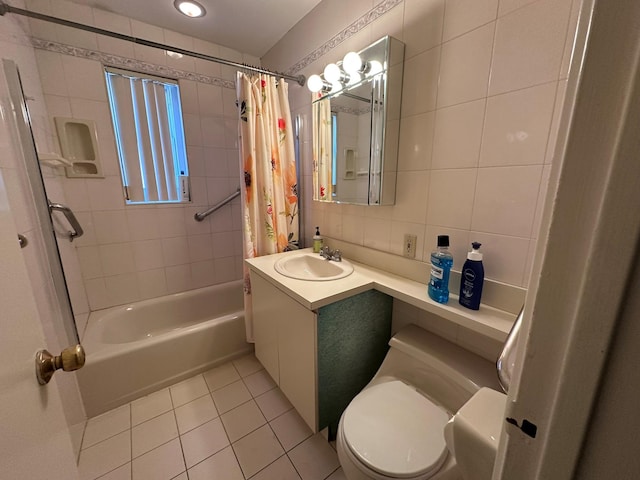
190	8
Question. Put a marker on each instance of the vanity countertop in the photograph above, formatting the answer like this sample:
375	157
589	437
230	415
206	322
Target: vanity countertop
487	321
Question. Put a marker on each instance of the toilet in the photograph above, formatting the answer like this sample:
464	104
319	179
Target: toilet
395	428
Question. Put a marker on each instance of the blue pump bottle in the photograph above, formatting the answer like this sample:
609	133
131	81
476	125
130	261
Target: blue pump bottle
472	279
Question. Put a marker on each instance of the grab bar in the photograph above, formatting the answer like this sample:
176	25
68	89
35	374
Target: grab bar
201	216
71	218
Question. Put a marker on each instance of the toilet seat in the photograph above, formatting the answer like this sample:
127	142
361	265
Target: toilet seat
395	431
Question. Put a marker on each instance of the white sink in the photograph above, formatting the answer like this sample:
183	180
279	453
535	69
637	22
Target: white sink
311	266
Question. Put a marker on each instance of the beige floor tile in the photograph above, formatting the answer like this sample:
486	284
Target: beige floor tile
282	469
194	414
204	441
152	405
259	382
162	463
153	433
105	456
231	396
273	403
221	376
221	466
188	390
247	365
290	429
257	450
242	420
107	425
314	458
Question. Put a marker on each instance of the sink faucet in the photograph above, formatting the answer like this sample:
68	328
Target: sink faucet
328	254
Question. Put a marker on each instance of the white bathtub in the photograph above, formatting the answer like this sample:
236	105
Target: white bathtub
135	349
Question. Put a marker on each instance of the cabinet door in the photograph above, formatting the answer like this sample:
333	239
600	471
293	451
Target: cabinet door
297	354
266	311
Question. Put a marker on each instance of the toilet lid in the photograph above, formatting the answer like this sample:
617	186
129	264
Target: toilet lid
395	431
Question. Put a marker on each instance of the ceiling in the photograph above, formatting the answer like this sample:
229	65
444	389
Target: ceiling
248	26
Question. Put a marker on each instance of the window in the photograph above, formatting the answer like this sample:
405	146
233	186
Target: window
147	122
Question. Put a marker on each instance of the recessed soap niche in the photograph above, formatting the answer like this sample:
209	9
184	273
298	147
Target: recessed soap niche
79	144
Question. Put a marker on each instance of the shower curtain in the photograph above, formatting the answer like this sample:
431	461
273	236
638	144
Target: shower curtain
267	163
322	148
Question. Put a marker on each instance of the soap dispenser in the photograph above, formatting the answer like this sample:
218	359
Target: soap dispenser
472	279
317	241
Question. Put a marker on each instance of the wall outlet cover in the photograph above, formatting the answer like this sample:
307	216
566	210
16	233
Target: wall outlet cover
409	249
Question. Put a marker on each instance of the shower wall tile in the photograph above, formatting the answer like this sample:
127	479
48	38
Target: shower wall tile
529	46
462	16
458	134
117	258
445	210
464	69
420	86
516	126
416	142
422	25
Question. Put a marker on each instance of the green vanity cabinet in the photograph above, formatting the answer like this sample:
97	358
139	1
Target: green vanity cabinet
320	359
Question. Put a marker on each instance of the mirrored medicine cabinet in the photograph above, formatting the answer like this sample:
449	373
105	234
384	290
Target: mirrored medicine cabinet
356	123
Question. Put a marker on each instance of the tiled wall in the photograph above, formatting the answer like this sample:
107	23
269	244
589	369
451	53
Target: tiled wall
483	86
130	253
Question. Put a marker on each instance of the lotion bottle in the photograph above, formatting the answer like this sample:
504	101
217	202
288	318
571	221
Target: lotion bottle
441	263
317	241
472	279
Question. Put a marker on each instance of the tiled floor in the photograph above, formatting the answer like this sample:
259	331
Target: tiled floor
230	423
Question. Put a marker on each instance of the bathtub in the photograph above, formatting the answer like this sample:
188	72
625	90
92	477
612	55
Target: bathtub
135	349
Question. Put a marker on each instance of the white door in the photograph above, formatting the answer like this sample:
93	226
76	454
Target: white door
34	441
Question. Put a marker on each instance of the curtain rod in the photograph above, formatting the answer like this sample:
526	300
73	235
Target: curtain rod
4	8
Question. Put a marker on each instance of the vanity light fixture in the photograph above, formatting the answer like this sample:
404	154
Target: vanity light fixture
350	71
190	8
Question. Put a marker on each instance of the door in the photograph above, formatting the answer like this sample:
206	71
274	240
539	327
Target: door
34	440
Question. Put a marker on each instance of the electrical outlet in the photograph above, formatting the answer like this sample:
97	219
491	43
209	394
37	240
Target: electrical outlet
410	245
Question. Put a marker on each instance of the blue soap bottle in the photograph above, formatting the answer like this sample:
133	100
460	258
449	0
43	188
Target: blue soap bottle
441	263
472	279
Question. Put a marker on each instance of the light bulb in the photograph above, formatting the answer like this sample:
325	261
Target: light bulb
354	78
375	67
315	83
332	73
352	63
190	8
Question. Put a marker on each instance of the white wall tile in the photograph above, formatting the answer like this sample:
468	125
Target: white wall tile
464	69
396	239
111	226
451	195
462	16
178	278
412	192
223	244
143	223
516	127
416	142
459	243
458	135
225	269
152	283
84	78
148	254
203	273
116	258
504	257
90	264
200	247
171	221
210	99
189	97
105	193
422	25
175	251
51	73
377	233
505	200
529	45
122	288
420	82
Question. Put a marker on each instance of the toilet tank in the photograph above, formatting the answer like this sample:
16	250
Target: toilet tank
441	370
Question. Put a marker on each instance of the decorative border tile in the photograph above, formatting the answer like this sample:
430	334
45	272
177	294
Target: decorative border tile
130	63
372	15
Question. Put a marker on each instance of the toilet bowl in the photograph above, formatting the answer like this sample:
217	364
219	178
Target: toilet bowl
395	427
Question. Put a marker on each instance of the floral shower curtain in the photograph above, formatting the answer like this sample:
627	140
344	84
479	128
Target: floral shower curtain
270	196
322	148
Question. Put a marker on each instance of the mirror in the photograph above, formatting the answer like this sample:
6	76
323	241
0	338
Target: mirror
356	123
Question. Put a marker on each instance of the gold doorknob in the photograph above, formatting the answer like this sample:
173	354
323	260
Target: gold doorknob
70	359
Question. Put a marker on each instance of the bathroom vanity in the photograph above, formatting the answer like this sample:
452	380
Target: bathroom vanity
322	341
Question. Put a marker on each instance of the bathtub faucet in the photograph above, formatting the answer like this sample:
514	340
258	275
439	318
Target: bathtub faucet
328	254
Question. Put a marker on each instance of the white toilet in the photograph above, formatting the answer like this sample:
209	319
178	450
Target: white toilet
395	427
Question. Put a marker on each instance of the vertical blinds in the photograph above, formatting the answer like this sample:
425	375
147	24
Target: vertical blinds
147	121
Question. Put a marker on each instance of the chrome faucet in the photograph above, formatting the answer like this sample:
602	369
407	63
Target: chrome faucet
328	254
